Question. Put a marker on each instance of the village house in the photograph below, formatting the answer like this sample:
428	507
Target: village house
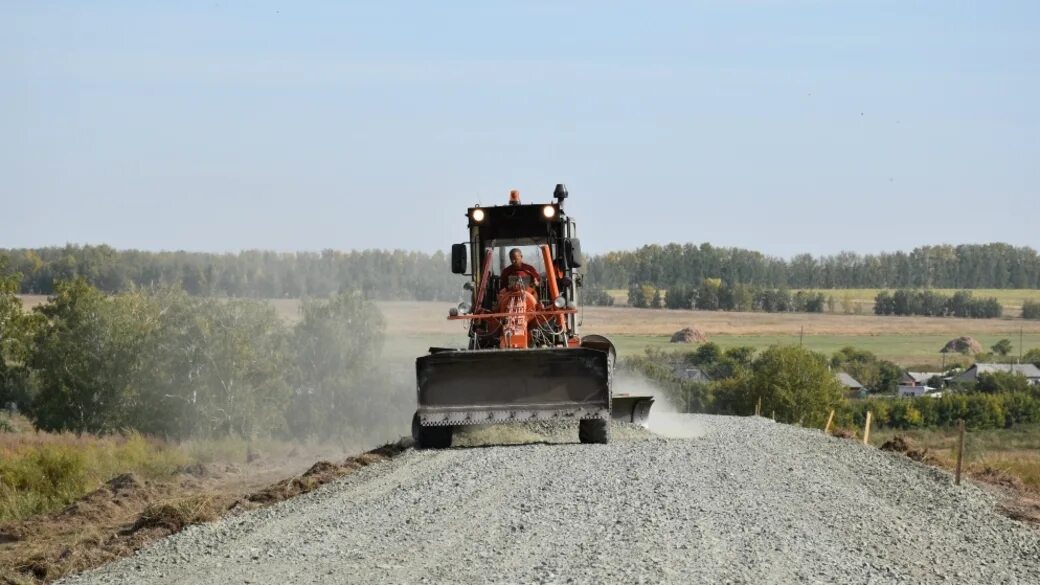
691	374
1030	371
853	389
918	378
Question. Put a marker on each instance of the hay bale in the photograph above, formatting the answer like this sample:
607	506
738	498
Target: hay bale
964	344
688	335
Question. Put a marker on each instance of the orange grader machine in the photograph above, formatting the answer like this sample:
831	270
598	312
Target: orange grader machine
525	359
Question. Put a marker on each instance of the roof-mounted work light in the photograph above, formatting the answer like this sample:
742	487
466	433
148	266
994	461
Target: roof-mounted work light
560	193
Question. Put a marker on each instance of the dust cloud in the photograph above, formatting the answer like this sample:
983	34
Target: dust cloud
665	418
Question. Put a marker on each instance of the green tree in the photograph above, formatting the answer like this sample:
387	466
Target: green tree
595	296
1001	382
244	361
337	342
795	383
87	358
708	296
17	328
1032	356
1002	347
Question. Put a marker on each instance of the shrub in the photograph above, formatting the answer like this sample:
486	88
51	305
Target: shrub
979	411
1031	309
42	472
597	297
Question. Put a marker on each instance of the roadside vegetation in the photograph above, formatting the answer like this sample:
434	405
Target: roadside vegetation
1014	452
149	382
179	367
41	472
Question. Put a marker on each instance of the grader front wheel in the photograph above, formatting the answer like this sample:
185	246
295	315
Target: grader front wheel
430	437
594	430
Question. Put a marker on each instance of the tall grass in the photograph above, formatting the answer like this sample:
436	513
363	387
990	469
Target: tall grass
42	472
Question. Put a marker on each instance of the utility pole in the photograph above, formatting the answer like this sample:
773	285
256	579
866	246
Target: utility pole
801	334
1019	344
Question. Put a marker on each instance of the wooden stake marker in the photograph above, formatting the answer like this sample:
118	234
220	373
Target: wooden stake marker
830	419
866	429
960	451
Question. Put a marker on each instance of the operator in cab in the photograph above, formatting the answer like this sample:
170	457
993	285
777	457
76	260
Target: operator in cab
517	267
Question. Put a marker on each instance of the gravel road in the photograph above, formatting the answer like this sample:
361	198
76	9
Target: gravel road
739	500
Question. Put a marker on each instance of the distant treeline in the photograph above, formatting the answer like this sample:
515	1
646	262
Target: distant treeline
715	295
378	274
966	266
932	304
397	274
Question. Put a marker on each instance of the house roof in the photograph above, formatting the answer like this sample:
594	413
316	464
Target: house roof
848	381
693	373
1027	370
922	377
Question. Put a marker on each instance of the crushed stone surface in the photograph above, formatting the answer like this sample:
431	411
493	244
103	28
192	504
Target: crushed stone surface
737	500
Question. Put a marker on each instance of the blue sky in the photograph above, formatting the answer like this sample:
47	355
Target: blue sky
781	126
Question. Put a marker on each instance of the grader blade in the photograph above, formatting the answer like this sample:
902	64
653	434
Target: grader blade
494	386
632	409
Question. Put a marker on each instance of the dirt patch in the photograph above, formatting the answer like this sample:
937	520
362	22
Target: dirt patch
901	444
126	513
964	344
1023	508
318	475
843	434
688	335
998	477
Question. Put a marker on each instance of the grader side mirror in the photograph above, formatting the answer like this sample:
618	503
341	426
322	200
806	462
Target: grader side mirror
574	255
458	258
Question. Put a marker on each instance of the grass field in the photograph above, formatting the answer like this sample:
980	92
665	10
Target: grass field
862	299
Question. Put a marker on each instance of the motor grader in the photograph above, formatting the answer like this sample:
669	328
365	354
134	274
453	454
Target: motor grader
525	359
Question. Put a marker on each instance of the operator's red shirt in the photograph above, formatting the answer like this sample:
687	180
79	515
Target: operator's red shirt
523	270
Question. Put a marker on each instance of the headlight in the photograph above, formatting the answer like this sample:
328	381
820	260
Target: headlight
478	215
465	308
549	212
560	302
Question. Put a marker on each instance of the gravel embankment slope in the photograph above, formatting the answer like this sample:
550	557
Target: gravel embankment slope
747	501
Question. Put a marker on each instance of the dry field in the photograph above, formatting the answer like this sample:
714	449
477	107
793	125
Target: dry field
430	318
